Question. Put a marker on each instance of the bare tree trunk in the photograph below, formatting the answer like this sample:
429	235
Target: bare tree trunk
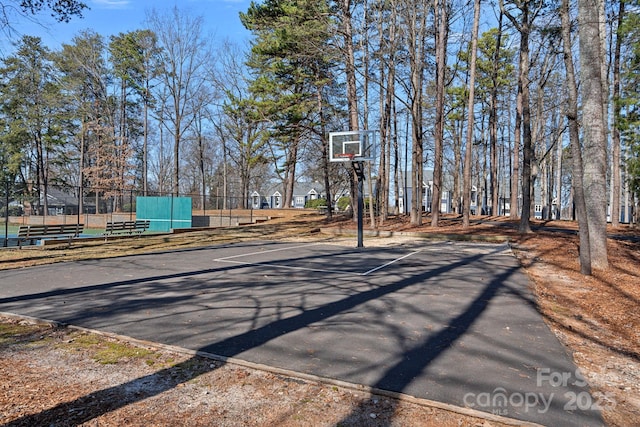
524	25
527	146
576	152
177	139
225	183
615	131
457	165
83	131
466	187
387	72
290	171
385	144
145	142
201	160
185	55
594	143
396	165
517	142
522	131
350	67
120	151
325	152
493	122
442	21
352	92
365	106
416	44
558	178
417	154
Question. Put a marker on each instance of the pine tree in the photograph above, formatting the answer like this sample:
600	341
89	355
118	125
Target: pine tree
289	59
31	106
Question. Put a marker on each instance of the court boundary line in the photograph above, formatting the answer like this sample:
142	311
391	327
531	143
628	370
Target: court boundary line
267	251
289	267
373	270
276	264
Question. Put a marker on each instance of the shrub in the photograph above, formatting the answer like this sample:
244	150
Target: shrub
13	211
315	203
343	203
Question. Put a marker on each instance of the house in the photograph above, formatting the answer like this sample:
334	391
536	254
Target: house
447	204
273	198
60	202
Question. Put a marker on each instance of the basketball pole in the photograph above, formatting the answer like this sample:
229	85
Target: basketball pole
358	168
357	147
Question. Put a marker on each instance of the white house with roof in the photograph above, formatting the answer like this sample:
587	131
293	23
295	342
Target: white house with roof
273	198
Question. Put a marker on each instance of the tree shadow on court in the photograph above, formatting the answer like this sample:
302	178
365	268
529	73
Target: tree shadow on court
418	358
414	361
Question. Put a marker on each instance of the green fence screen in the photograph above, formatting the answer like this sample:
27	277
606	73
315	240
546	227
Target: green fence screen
165	213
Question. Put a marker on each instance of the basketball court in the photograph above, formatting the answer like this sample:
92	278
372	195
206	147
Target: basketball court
449	322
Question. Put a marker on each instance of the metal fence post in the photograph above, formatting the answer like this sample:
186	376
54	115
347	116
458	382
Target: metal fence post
6	215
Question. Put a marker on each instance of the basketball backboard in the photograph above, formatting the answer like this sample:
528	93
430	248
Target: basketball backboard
354	146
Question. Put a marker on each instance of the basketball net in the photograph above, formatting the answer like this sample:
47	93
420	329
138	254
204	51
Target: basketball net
349	156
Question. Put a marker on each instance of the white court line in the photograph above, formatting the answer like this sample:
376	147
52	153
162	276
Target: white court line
390	262
266	252
290	267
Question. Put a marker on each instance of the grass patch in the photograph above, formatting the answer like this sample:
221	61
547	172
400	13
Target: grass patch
14	333
113	352
560	310
108	352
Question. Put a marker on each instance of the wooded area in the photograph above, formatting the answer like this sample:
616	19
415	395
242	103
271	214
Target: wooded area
525	107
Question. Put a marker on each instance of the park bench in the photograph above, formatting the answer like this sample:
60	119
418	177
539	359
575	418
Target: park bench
48	231
126	227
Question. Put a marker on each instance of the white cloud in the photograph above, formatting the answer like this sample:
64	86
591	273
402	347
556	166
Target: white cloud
112	4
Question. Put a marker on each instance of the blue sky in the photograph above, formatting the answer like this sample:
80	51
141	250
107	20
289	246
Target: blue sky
108	17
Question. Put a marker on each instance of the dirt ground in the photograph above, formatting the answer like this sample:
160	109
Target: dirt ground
64	376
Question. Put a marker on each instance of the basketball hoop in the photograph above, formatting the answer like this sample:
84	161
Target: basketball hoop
349	156
357	148
352	146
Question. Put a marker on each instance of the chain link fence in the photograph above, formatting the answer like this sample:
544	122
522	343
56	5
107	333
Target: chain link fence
72	200
25	204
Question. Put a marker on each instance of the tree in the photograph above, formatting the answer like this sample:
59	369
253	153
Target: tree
185	55
346	30
134	56
441	10
466	187
594	130
31	104
61	10
414	17
346	34
86	79
245	142
628	102
202	148
127	59
238	126
289	59
150	70
527	11
615	130
388	42
495	68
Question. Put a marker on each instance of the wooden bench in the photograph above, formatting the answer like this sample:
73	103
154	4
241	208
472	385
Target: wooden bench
126	227
48	231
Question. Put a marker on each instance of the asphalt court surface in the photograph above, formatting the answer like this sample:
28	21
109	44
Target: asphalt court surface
451	322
